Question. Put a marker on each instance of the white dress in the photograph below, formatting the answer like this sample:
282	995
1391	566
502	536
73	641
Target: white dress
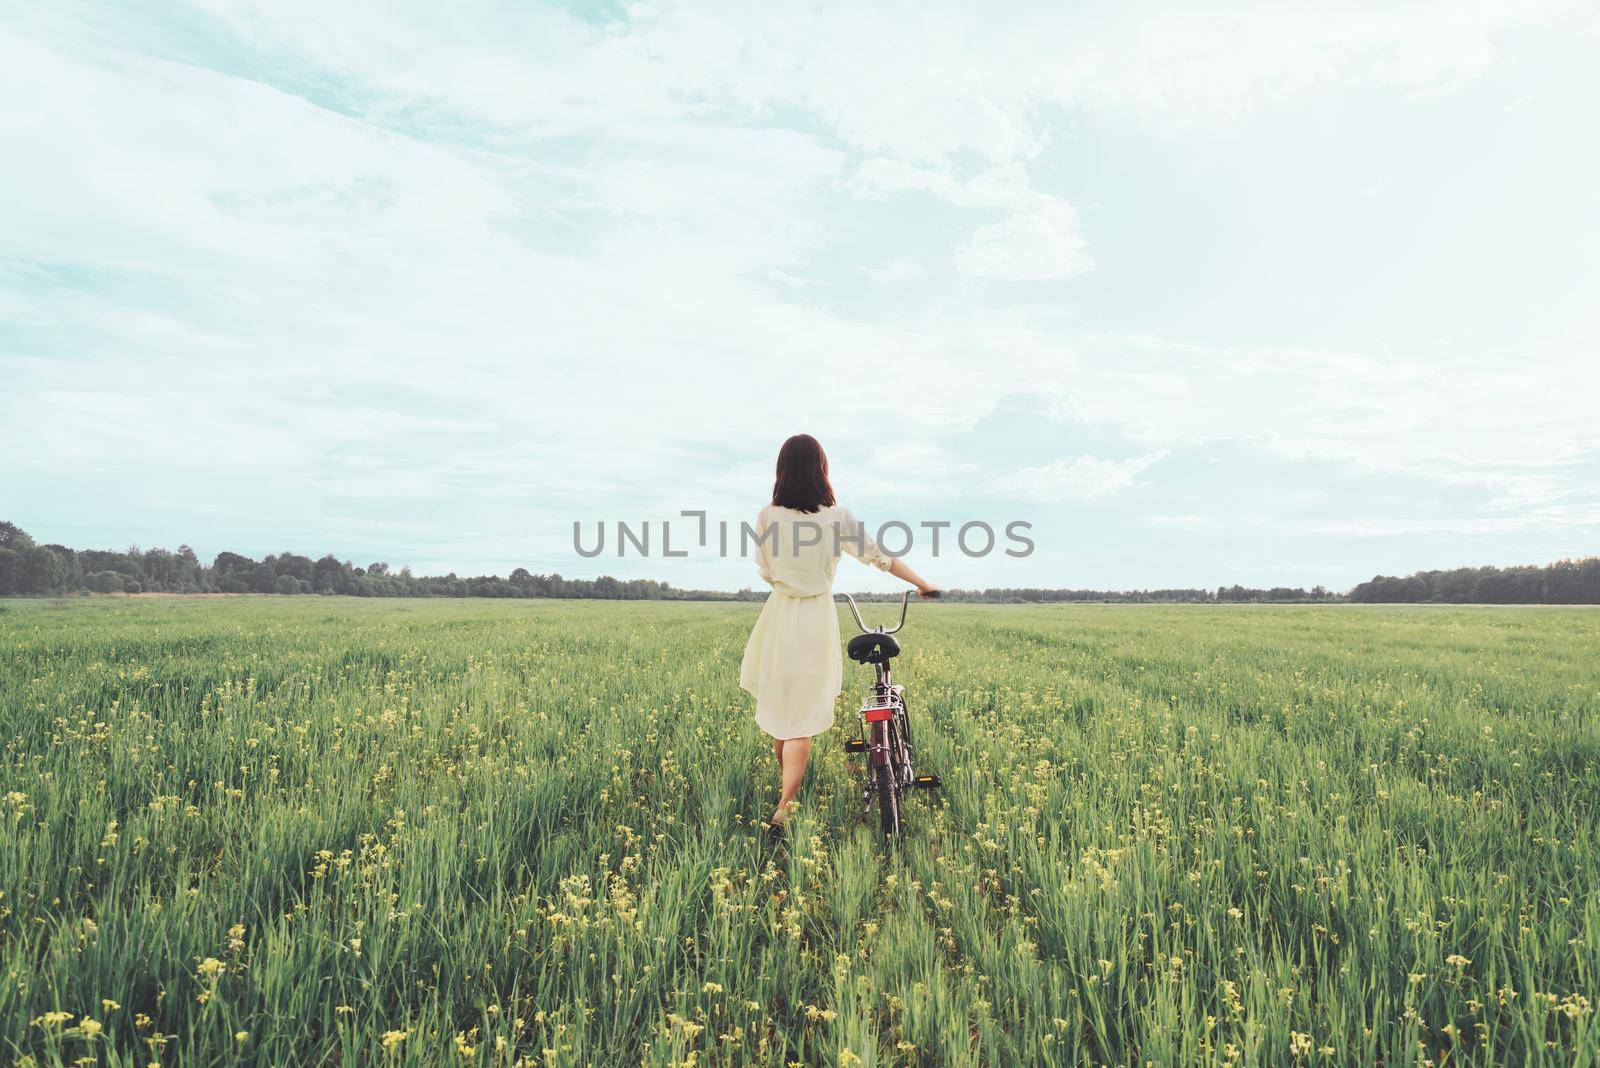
792	663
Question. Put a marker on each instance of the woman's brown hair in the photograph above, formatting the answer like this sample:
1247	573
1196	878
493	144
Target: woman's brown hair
802	482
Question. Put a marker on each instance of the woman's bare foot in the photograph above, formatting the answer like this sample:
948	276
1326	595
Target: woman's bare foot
780	815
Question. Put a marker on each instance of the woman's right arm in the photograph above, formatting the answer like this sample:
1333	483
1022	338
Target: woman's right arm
763	552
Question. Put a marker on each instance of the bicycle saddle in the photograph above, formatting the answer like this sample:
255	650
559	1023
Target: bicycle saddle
873	648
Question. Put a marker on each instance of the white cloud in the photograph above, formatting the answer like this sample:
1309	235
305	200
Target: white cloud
1557	518
1037	246
1458	418
1040	239
1079	478
895	271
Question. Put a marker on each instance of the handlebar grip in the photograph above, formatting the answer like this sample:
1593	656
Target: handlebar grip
933	595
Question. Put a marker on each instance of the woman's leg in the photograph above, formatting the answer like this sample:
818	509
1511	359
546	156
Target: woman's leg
777	750
795	753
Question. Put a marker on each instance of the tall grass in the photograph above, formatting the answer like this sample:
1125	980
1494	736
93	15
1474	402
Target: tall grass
289	832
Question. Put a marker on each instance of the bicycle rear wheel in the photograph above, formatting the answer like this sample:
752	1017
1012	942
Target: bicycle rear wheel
888	802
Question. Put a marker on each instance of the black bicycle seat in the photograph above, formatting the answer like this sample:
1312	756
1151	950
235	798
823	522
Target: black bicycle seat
873	648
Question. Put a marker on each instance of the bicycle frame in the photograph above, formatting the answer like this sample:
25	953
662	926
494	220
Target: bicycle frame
886	728
888	701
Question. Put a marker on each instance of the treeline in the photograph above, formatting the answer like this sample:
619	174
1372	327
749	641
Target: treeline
1222	594
1563	582
31	570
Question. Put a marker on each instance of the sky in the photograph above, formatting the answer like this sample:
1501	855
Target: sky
1276	294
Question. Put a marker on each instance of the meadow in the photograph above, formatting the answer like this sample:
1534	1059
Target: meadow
308	831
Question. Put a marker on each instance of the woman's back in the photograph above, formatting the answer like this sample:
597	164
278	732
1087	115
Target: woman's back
798	552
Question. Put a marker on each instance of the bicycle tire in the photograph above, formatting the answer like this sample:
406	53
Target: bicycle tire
888	802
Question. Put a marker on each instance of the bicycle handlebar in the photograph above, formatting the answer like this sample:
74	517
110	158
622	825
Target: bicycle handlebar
905	602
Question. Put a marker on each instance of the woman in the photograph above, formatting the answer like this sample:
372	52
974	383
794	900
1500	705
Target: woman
792	662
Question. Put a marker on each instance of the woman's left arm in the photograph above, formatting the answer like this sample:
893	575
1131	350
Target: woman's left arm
900	571
859	544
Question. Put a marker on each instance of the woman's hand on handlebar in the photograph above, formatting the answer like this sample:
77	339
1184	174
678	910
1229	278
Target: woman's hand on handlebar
925	589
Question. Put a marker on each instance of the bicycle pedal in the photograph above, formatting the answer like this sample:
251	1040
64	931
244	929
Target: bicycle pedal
855	745
927	782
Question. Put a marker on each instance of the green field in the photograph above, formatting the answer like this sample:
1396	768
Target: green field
306	831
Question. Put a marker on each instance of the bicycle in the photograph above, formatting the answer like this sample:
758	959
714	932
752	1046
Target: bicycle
885	723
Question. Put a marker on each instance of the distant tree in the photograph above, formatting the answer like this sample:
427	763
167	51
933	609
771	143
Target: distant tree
231	563
92	560
330	576
13	537
1412	590
70	575
300	567
105	582
188	573
42	570
262	579
159	569
1589	581
10	572
490	586
286	584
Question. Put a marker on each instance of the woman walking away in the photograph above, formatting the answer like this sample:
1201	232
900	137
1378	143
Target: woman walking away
792	663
